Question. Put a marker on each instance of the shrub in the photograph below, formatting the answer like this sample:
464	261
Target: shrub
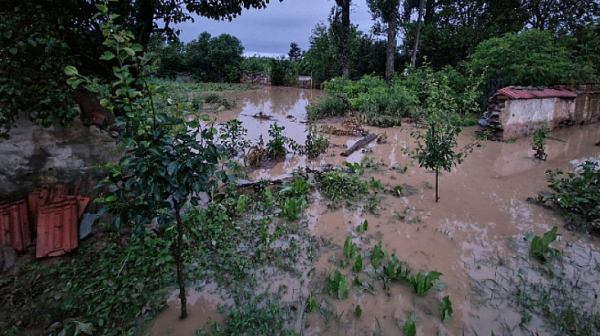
328	106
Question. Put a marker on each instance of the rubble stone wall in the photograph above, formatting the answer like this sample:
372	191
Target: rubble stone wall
255	78
587	108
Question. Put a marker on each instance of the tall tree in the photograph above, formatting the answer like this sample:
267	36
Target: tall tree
344	51
388	12
413	58
295	51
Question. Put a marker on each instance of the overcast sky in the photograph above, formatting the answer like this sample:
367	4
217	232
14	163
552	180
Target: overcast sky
270	31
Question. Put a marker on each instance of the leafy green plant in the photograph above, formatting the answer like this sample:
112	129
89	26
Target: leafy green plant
297	188
410	329
315	143
358	264
312	304
337	184
276	145
443	123
422	282
396	270
446	309
328	106
233	138
358	311
540	246
338	285
350	250
292	207
169	160
363	227
576	196
538	141
377	255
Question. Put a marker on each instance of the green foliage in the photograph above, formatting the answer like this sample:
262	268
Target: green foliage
410	329
540	247
358	264
257	64
363	227
422	282
576	195
327	106
312	304
538	141
350	250
295	51
338	285
358	311
106	285
276	145
214	59
282	72
293	207
298	188
34	52
443	122
233	138
446	309
255	318
396	270
378	254
337	185
315	143
532	57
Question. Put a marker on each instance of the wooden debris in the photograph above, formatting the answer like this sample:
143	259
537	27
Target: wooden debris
360	144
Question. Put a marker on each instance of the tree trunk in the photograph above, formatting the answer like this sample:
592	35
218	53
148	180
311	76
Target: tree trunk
413	59
145	21
179	259
437	173
391	48
360	144
345	40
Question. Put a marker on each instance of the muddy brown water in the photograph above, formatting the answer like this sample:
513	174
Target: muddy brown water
482	208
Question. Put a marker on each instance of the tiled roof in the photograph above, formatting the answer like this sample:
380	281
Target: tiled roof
520	92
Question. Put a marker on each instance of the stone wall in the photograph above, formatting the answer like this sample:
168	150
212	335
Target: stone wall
255	78
587	107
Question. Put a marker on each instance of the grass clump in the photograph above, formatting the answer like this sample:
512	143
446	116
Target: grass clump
337	185
328	106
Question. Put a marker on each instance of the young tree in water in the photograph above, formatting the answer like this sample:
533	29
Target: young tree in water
168	160
443	117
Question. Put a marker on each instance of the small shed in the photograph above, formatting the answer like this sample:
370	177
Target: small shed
514	111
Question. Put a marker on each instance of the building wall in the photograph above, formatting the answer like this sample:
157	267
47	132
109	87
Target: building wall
520	117
587	108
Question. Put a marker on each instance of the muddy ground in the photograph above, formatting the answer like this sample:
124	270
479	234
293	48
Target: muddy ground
473	235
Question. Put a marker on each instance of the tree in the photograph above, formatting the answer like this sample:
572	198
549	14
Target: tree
533	57
388	11
214	59
39	37
295	52
443	118
169	160
413	58
344	41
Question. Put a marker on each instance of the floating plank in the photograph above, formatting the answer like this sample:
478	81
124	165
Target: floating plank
360	144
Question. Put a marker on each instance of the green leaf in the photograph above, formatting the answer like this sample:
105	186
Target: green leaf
410	329
71	71
204	117
446	309
107	56
102	8
137	47
13	51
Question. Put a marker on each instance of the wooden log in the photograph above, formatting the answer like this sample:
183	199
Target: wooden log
360	144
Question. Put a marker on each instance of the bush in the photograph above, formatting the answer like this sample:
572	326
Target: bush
577	196
328	106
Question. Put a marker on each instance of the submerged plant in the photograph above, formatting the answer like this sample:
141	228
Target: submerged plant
446	309
233	138
422	282
538	141
338	285
396	270
358	264
292	207
540	246
363	227
377	255
410	329
349	248
276	145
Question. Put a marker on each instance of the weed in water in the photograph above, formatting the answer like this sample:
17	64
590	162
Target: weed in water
422	282
540	247
446	309
410	329
292	208
337	185
350	250
357	311
298	188
312	304
276	145
538	141
363	227
338	285
377	255
233	138
358	265
396	270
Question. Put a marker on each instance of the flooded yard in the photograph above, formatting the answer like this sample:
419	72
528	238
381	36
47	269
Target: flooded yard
475	235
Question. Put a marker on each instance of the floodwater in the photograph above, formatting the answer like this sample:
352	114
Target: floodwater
474	233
